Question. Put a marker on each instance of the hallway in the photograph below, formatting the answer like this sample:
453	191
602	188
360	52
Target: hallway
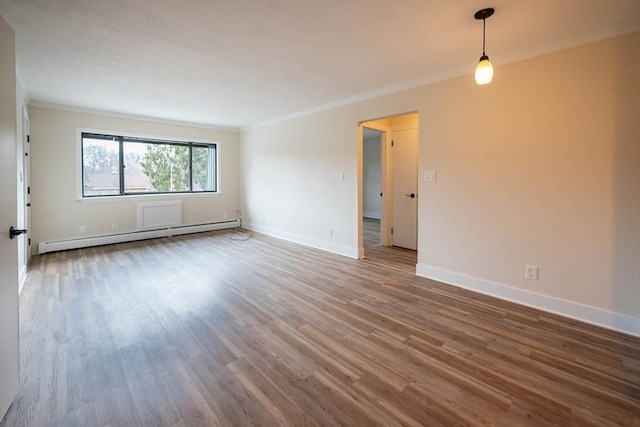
389	256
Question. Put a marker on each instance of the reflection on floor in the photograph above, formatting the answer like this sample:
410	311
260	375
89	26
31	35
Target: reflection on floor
390	256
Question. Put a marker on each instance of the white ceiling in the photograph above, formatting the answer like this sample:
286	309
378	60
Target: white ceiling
240	63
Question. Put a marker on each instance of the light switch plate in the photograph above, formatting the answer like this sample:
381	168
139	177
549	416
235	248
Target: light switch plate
430	176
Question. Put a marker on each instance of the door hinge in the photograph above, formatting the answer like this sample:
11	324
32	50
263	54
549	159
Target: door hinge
28	138
29	190
392	143
380	194
29	241
391	230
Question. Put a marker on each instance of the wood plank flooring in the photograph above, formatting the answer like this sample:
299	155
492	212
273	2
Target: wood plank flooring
385	256
203	330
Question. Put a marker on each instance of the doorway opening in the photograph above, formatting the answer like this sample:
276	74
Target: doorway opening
389	192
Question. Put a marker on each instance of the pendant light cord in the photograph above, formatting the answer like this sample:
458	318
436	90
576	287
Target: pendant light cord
484	23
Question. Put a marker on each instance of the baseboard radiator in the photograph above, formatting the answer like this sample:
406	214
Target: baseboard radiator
63	245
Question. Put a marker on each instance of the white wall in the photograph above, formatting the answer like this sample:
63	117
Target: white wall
371	167
541	167
293	185
57	212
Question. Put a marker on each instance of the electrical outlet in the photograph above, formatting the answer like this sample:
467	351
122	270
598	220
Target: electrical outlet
82	229
531	272
190	218
114	226
226	215
330	232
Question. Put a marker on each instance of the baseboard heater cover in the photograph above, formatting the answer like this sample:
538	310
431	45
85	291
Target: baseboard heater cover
63	245
158	215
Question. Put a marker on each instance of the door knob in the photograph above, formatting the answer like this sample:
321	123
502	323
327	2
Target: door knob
412	195
13	232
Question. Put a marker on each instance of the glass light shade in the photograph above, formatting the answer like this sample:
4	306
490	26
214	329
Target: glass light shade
484	71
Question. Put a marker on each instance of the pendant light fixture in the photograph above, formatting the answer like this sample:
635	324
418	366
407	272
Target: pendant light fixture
484	70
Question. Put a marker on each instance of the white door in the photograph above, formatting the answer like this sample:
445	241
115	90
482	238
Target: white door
9	341
404	152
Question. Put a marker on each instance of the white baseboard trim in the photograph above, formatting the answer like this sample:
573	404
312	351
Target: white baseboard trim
596	316
63	245
303	240
374	215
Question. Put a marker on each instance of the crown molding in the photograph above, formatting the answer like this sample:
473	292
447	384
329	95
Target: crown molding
549	48
85	110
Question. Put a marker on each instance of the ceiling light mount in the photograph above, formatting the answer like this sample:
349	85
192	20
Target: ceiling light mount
484	70
484	13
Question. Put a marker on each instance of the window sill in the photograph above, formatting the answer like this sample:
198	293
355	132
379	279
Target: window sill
147	197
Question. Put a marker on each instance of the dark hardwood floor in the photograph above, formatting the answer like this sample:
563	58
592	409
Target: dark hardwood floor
206	330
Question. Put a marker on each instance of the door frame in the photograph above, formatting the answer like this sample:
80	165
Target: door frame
24	197
386	214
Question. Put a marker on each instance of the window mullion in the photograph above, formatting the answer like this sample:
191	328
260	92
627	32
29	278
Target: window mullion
121	161
190	168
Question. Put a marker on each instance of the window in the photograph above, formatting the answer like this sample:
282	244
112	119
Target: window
115	165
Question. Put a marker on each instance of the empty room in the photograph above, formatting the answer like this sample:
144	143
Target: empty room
302	212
